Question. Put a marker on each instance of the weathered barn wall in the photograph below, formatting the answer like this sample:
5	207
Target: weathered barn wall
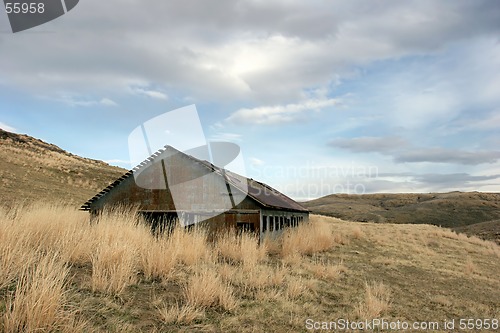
247	220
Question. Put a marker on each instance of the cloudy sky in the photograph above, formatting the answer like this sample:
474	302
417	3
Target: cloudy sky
322	96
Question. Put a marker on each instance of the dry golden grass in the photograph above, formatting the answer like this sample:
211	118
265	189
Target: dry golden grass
158	259
193	247
295	288
307	239
293	260
469	267
39	301
271	244
257	277
59	272
13	261
113	268
240	248
357	233
376	302
178	314
115	255
442	300
34	170
206	289
326	270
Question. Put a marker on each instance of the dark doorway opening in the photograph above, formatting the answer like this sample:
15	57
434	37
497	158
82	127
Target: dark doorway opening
160	222
245	227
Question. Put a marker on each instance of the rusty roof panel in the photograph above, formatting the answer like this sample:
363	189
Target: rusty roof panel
271	197
260	192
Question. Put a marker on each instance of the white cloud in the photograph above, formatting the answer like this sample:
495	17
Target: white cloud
278	114
417	109
74	100
403	151
446	155
226	137
412	71
114	161
370	144
254	161
487	123
108	102
7	128
151	93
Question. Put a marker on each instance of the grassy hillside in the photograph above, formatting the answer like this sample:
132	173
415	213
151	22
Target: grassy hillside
455	209
33	170
486	230
60	273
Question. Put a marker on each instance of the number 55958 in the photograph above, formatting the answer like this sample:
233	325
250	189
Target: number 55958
24	7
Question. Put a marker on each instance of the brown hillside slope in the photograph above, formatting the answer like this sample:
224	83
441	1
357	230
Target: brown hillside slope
452	210
486	230
33	170
445	209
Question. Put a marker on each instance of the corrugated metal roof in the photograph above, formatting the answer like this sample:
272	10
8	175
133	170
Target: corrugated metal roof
271	197
260	192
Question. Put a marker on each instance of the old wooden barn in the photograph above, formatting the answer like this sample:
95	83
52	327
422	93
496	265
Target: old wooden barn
171	184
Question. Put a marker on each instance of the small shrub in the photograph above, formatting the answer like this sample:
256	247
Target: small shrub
357	233
272	244
325	270
278	275
241	248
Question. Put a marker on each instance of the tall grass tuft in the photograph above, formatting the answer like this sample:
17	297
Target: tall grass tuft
192	245
307	239
326	270
376	302
179	314
240	248
113	268
207	289
38	303
158	258
119	236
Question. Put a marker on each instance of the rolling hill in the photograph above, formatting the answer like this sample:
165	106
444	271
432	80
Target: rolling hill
458	210
33	170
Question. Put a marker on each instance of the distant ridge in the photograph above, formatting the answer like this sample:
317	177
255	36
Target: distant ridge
452	210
